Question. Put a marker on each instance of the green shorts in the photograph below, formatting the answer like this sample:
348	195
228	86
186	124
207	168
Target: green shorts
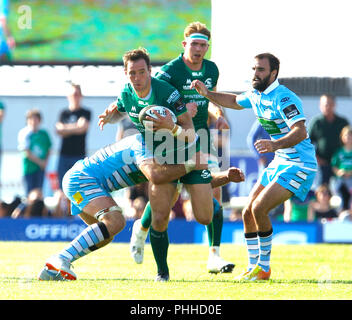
197	177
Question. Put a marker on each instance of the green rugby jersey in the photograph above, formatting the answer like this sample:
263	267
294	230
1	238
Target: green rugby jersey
178	74
342	159
162	94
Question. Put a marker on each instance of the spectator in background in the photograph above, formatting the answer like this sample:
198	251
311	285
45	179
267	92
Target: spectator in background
6	208
7	41
296	210
346	215
322	209
33	207
34	143
72	127
324	132
342	167
257	132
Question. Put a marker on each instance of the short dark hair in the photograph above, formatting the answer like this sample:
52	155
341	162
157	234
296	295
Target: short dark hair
273	61
134	55
33	113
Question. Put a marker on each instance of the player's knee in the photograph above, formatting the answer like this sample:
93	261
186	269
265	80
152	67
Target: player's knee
247	214
205	216
155	178
115	222
257	208
204	220
160	221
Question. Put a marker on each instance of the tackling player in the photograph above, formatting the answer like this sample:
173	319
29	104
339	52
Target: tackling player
89	184
293	169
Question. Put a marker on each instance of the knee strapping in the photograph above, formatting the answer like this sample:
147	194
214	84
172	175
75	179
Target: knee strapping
101	213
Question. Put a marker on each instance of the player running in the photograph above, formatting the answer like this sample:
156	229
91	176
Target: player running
180	72
89	184
293	169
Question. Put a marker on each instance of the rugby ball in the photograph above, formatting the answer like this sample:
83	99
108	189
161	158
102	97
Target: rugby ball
148	111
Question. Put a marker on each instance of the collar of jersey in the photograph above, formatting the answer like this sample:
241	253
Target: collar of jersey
272	87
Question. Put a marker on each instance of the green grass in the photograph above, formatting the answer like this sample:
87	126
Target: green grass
299	272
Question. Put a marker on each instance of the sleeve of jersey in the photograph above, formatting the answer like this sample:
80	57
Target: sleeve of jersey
163	74
291	110
243	100
120	106
176	104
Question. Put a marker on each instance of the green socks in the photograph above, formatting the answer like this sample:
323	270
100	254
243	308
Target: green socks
215	227
146	219
160	243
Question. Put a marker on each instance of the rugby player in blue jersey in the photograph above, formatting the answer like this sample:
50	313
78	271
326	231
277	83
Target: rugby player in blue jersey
293	169
89	184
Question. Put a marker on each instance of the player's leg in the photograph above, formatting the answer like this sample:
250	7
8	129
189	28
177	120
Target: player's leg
160	197
281	182
87	199
214	230
250	228
140	230
141	226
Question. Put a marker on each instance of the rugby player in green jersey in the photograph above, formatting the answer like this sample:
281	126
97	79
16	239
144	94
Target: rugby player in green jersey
180	72
142	90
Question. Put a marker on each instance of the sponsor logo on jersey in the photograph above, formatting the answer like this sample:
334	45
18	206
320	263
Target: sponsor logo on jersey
285	99
205	174
164	74
197	74
179	105
173	96
143	103
133	114
208	83
291	111
78	197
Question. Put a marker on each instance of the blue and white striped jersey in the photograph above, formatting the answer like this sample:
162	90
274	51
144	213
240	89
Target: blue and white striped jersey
115	166
277	109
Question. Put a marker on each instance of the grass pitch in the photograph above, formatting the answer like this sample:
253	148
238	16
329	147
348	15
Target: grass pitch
299	272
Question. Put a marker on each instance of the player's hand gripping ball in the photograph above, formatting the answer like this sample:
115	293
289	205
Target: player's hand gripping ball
148	111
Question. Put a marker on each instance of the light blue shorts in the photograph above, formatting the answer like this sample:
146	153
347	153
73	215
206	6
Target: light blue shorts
290	176
80	188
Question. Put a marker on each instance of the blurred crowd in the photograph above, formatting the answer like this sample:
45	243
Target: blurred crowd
329	199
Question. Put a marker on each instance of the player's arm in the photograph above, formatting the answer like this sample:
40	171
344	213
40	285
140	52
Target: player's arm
165	173
216	113
222	178
225	99
297	134
110	115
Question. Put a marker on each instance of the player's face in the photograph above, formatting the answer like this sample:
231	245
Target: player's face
195	50
262	76
139	75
